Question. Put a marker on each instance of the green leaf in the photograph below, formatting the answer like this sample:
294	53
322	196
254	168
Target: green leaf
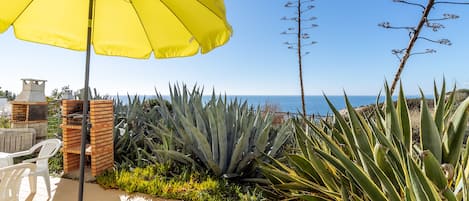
421	185
404	119
386	183
345	128
429	136
362	179
380	158
392	121
314	168
360	136
433	170
440	108
459	123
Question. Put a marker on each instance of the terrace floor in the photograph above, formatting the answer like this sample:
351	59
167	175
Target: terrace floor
67	189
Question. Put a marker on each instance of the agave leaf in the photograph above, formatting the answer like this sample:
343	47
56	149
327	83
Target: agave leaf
276	164
360	136
302	139
314	188
242	165
404	119
314	168
421	185
304	168
203	145
446	146
281	176
345	128
223	140
311	198
175	155
339	167
282	137
345	194
409	196
164	132
238	153
386	183
380	158
429	136
440	108
450	103
459	122
433	170
200	120
436	93
362	179
465	188
449	195
263	136
270	175
213	128
392	123
393	154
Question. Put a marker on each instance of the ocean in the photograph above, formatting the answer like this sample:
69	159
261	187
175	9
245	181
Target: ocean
316	105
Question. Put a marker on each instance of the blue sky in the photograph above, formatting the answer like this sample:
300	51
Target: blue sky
352	54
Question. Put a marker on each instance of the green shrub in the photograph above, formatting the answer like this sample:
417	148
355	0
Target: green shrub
54	118
183	184
377	158
56	163
4	122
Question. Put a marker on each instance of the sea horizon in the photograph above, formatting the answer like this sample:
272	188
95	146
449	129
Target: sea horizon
315	104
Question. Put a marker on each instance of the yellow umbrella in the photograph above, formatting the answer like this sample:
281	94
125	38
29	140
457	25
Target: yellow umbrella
129	28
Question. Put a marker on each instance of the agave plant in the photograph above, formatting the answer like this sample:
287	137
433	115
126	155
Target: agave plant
222	136
377	158
135	142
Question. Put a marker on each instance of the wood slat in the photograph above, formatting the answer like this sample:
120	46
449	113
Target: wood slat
101	113
101	140
27	103
101	146
104	120
75	150
102	116
102	132
102	127
71	126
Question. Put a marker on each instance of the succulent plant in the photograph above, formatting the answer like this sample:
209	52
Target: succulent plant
221	135
356	157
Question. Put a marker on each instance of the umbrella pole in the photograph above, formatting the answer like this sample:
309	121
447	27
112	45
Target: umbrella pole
84	124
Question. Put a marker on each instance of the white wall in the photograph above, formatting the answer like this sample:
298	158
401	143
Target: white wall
5	107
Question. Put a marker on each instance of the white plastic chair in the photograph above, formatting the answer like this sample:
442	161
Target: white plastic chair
48	148
10	180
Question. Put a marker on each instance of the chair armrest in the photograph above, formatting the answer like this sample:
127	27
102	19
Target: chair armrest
35	159
21	153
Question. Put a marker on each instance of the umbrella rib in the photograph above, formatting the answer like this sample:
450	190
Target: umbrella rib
188	30
21	13
143	26
211	10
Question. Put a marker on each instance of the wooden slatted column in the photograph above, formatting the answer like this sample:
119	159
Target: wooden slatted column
101	144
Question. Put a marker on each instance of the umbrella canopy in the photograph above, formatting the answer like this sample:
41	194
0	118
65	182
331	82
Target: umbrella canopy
129	28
